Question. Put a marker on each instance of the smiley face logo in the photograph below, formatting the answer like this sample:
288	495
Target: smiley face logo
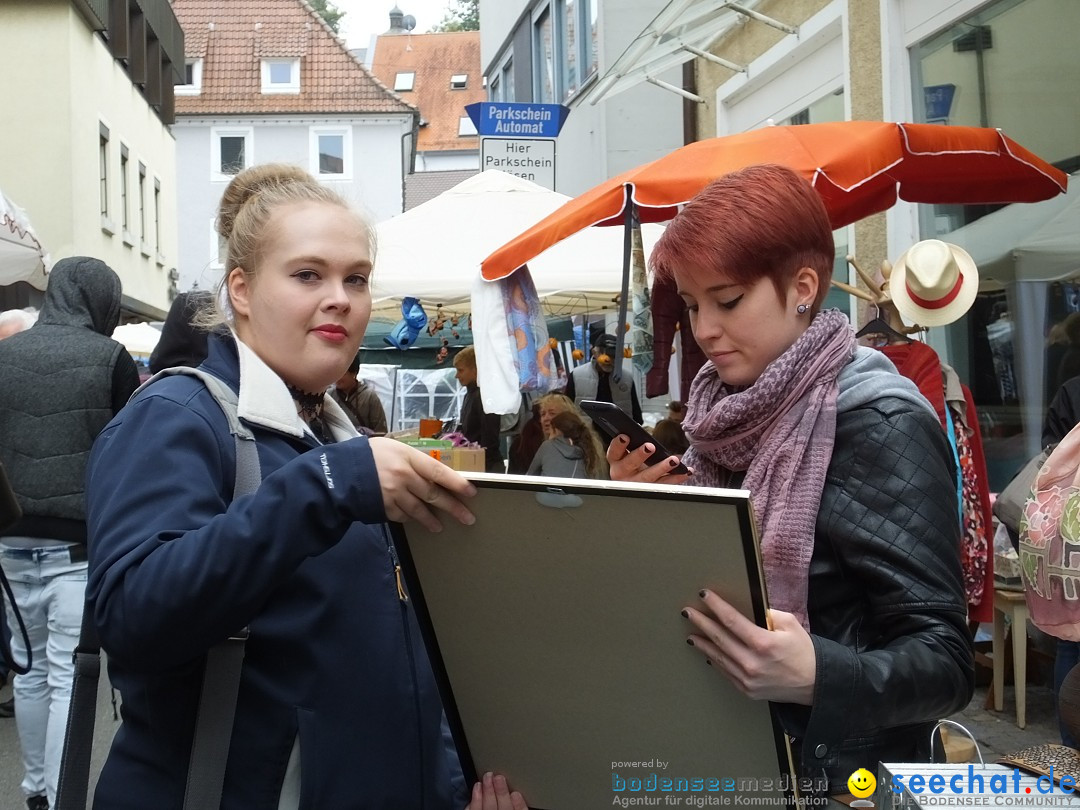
861	783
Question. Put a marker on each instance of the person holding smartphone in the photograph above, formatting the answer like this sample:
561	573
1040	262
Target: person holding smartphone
850	478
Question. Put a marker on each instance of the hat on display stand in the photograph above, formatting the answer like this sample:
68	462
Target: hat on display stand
934	283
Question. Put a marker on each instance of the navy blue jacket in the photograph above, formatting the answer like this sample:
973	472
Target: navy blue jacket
306	562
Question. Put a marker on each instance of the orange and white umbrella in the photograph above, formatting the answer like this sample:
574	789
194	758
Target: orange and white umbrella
858	167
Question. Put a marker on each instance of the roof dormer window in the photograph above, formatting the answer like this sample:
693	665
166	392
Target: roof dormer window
404	81
281	75
458	81
192	85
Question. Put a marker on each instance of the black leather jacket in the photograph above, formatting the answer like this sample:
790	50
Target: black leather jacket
886	600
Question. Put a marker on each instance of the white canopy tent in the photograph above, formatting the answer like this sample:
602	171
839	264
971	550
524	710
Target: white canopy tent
22	257
1026	241
433	252
1025	247
138	338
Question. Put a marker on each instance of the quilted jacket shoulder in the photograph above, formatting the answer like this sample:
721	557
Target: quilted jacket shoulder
886	600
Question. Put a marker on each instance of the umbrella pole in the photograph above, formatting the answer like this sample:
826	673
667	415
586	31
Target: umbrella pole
630	222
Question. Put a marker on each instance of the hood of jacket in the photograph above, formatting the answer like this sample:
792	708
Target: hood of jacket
567	450
82	292
181	343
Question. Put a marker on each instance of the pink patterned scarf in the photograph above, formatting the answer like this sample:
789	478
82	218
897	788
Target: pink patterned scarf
781	431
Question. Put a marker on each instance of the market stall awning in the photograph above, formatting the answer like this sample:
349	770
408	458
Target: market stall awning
433	252
22	257
1026	242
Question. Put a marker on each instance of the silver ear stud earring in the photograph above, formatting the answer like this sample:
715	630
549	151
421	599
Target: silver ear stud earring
801	309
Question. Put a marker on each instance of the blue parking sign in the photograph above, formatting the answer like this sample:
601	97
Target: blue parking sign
511	119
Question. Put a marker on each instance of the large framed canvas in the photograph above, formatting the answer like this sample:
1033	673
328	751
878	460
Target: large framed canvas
554	628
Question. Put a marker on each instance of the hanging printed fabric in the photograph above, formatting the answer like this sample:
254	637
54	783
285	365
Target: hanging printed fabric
641	330
1050	542
527	331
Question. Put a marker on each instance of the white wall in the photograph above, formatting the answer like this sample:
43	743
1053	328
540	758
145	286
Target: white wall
436	161
375	187
62	74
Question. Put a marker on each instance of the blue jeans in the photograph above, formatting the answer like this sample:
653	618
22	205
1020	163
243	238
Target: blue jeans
4	635
1068	656
49	588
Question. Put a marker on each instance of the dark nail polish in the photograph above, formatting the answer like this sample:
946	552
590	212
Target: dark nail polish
690	641
708	661
672	463
701	594
685	614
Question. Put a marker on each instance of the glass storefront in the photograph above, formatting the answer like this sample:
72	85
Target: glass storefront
1012	65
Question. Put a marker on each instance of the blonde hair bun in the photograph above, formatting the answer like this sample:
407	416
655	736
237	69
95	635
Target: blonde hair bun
251	182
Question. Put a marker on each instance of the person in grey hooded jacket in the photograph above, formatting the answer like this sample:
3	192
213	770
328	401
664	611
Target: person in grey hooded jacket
61	381
571	452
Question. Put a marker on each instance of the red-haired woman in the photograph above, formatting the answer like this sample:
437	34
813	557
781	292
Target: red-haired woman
850	479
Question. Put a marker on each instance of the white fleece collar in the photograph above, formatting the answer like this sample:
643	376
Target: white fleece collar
265	400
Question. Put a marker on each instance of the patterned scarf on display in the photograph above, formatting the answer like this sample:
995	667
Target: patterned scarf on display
780	430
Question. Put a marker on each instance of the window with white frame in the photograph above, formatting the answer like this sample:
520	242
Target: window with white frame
125	222
458	81
331	152
142	203
157	216
404	81
231	151
219	248
192	85
281	75
466	126
103	168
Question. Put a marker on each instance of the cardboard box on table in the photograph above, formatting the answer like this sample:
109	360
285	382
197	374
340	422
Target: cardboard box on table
468	459
463	459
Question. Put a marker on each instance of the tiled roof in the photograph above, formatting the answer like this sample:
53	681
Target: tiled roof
233	36
423	186
435	58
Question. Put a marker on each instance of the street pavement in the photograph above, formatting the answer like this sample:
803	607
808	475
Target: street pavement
11	771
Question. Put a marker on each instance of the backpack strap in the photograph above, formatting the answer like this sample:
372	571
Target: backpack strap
248	471
224	661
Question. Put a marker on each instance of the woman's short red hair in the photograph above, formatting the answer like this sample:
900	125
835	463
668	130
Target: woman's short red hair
759	222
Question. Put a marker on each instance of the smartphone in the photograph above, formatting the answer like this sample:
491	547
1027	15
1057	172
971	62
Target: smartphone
613	420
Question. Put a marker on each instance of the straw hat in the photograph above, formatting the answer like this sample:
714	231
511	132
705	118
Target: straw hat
934	283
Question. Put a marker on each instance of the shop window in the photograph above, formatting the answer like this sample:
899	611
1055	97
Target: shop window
1011	65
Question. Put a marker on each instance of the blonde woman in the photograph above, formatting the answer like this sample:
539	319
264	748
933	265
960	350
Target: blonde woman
570	452
337	704
555	403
